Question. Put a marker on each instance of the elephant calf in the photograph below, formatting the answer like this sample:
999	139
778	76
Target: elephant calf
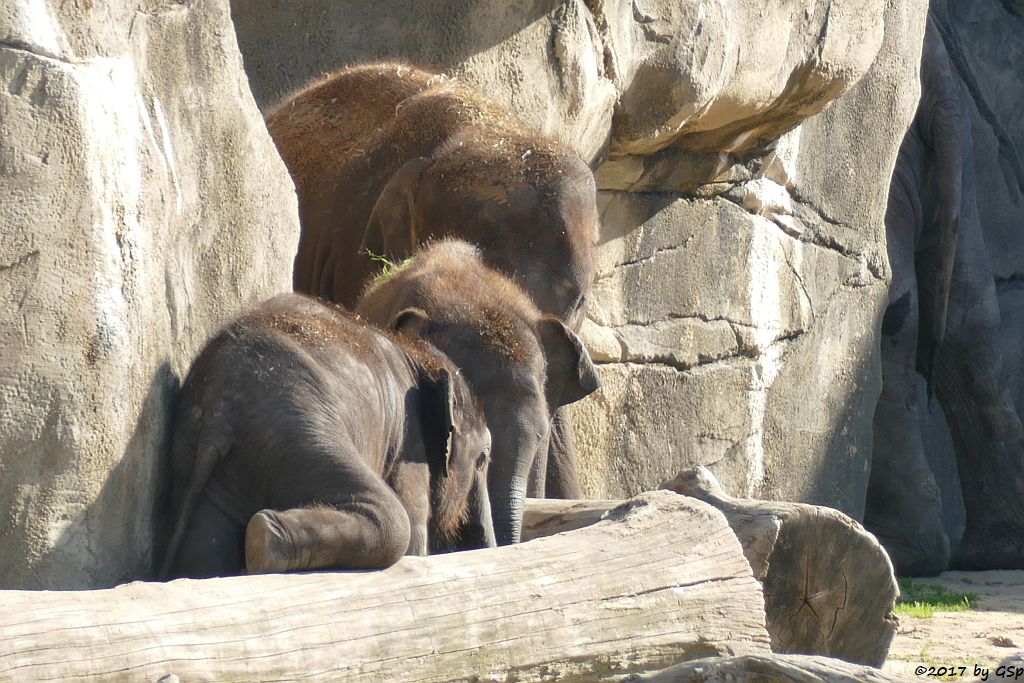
520	364
304	439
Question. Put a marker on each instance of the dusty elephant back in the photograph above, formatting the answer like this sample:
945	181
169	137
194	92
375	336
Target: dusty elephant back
327	125
347	137
289	366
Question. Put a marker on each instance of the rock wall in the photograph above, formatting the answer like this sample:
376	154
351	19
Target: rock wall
742	262
985	41
739	329
141	203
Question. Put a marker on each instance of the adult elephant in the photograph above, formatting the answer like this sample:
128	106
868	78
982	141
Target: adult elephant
521	365
386	157
942	319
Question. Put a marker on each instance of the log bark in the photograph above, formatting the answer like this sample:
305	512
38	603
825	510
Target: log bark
829	586
660	579
775	668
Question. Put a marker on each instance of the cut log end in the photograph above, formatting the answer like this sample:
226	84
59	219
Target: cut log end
829	585
830	589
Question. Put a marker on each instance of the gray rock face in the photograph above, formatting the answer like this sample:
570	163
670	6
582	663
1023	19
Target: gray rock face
743	155
985	40
141	204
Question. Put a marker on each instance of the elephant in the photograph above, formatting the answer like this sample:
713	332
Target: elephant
387	156
942	320
521	365
306	439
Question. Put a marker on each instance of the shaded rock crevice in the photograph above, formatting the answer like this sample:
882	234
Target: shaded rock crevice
37	51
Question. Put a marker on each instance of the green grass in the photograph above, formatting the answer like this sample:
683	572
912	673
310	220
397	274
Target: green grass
387	266
921	599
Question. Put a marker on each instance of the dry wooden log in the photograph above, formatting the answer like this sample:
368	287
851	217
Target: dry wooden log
774	668
829	586
661	579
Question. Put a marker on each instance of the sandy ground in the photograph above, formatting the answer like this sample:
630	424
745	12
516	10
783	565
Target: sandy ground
980	637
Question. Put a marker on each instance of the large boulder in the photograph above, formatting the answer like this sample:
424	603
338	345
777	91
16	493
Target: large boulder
742	260
141	203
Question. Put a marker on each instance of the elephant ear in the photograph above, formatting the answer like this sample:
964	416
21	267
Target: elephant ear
391	229
412	321
570	372
442	399
449	418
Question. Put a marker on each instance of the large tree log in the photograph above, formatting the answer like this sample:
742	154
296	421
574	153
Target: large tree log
774	668
828	585
661	579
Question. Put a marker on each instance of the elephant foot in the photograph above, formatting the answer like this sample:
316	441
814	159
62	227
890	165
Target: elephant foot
998	546
269	547
923	554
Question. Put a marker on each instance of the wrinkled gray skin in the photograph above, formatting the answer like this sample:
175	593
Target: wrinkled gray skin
943	320
304	439
520	364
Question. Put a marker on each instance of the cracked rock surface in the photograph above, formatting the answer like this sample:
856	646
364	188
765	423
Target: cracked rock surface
743	155
141	204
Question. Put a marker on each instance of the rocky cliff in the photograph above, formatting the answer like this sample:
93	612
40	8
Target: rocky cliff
141	203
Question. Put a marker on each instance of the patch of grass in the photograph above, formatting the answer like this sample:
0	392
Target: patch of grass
921	599
387	266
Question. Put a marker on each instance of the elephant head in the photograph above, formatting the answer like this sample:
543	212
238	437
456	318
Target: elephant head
520	364
459	447
535	221
458	444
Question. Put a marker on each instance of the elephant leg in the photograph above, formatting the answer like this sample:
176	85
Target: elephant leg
212	544
358	523
562	480
903	507
987	432
411	483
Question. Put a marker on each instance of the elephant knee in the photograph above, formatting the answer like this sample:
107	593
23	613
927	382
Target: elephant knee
393	532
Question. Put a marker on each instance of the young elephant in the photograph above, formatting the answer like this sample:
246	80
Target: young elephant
386	157
520	364
305	439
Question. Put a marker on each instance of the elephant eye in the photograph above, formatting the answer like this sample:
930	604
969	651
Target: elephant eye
482	459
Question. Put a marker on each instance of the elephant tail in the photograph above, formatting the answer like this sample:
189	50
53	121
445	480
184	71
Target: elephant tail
213	443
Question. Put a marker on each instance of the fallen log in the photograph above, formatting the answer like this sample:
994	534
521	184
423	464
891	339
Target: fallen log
659	580
828	585
775	668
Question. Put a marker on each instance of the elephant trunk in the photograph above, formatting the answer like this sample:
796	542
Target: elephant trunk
507	509
479	530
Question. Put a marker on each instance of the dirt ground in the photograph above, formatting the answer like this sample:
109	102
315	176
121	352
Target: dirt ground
979	638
